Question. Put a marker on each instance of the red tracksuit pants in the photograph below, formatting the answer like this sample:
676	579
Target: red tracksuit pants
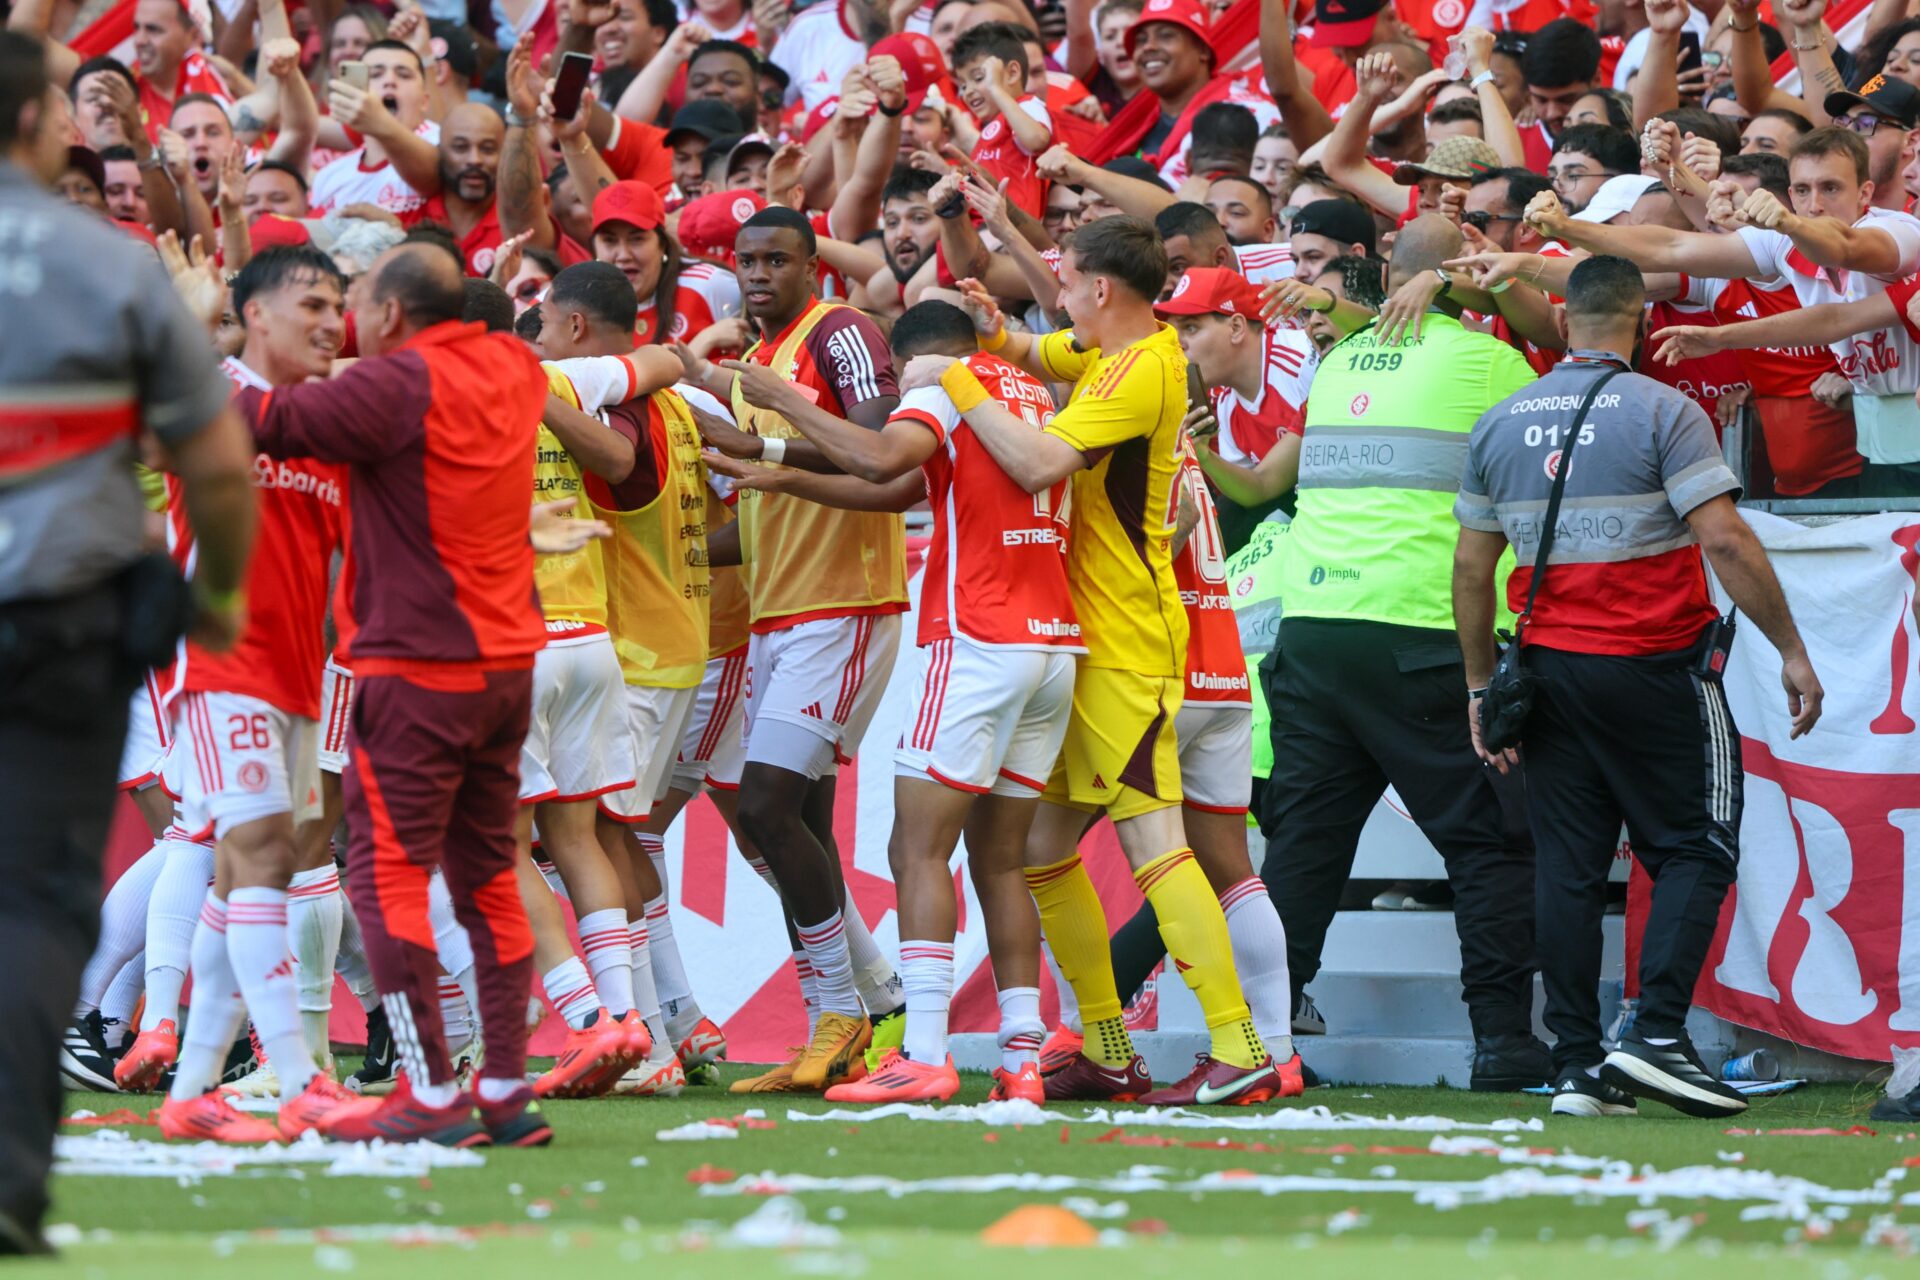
435	782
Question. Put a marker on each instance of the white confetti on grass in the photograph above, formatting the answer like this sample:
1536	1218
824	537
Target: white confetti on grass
110	1153
1303	1119
697	1131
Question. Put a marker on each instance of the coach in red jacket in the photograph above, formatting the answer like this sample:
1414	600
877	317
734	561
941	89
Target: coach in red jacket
437	422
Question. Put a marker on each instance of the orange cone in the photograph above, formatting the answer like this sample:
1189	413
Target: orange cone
1041	1226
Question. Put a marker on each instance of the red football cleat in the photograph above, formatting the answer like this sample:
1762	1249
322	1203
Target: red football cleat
901	1079
1061	1048
1025	1084
319	1099
515	1121
593	1058
211	1117
401	1117
1085	1080
1214	1083
152	1053
1293	1077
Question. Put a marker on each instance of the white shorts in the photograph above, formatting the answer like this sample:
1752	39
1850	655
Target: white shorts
577	744
987	720
657	719
1216	755
148	737
240	760
336	708
711	753
812	690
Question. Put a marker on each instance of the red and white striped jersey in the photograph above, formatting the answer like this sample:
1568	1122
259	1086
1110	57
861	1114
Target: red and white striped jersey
1248	429
283	648
1264	263
1216	665
997	567
705	293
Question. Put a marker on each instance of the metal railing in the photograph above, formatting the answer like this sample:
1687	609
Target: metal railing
1736	443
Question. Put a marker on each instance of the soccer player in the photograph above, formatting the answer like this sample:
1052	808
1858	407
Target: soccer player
1120	438
438	421
578	745
247	721
997	642
826	589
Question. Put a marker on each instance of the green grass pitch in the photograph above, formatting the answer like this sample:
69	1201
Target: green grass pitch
609	1195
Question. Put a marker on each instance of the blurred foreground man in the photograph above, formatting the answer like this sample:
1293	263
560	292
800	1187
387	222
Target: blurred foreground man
111	355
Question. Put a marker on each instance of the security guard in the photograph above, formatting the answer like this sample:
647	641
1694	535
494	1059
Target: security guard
97	350
1629	720
1365	686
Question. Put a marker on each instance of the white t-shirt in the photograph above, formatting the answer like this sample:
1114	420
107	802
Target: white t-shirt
1880	362
817	51
1636	51
348	180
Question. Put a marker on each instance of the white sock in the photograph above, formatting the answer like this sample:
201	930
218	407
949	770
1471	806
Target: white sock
217	1007
879	986
926	970
609	952
173	913
123	928
646	997
492	1089
571	991
123	993
257	949
826	945
351	964
316	917
669	972
1021	1030
1260	957
809	989
456	1017
436	1095
551	874
450	939
761	869
1069	1003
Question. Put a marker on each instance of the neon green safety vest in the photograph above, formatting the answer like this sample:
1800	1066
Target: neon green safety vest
1385	444
1254	574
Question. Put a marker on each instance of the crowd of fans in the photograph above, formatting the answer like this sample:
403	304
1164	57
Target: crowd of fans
930	142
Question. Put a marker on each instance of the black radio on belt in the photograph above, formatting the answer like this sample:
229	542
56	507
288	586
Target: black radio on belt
1716	644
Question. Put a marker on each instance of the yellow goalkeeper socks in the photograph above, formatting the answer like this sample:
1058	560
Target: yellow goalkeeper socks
1076	929
1195	931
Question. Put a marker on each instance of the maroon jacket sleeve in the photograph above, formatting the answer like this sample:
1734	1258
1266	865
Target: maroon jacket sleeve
850	353
639	422
374	410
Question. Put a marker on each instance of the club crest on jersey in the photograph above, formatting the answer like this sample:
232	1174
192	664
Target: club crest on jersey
1449	13
1551	464
1358	405
253	776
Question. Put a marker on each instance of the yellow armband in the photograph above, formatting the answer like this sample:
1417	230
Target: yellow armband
963	387
996	342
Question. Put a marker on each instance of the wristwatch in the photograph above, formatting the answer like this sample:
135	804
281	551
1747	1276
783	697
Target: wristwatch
517	121
895	112
1446	283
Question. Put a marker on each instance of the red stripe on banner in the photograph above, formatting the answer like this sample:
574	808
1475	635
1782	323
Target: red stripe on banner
704	862
105	32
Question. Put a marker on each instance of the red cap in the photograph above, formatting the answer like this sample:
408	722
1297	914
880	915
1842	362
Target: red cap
273	231
709	224
918	56
1347	24
1191	14
631	202
1212	291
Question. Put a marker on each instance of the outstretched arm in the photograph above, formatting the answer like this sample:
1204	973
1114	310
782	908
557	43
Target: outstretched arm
1740	562
1306	118
1345	157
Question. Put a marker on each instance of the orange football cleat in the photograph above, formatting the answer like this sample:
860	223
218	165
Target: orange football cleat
321	1098
1293	1077
212	1117
1024	1084
1061	1048
900	1079
152	1053
593	1057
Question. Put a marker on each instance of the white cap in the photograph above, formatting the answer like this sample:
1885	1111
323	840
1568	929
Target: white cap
1615	196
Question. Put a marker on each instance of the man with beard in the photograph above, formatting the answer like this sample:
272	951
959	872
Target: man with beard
470	141
909	228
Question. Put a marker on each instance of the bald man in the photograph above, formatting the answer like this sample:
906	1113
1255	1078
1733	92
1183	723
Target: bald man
470	140
437	423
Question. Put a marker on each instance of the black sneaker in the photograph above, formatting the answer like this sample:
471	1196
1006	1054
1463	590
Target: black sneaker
515	1121
1576	1093
1672	1074
1510	1063
376	1073
1307	1020
84	1058
1904	1110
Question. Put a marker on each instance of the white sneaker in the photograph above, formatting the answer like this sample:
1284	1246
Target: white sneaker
659	1075
261	1082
